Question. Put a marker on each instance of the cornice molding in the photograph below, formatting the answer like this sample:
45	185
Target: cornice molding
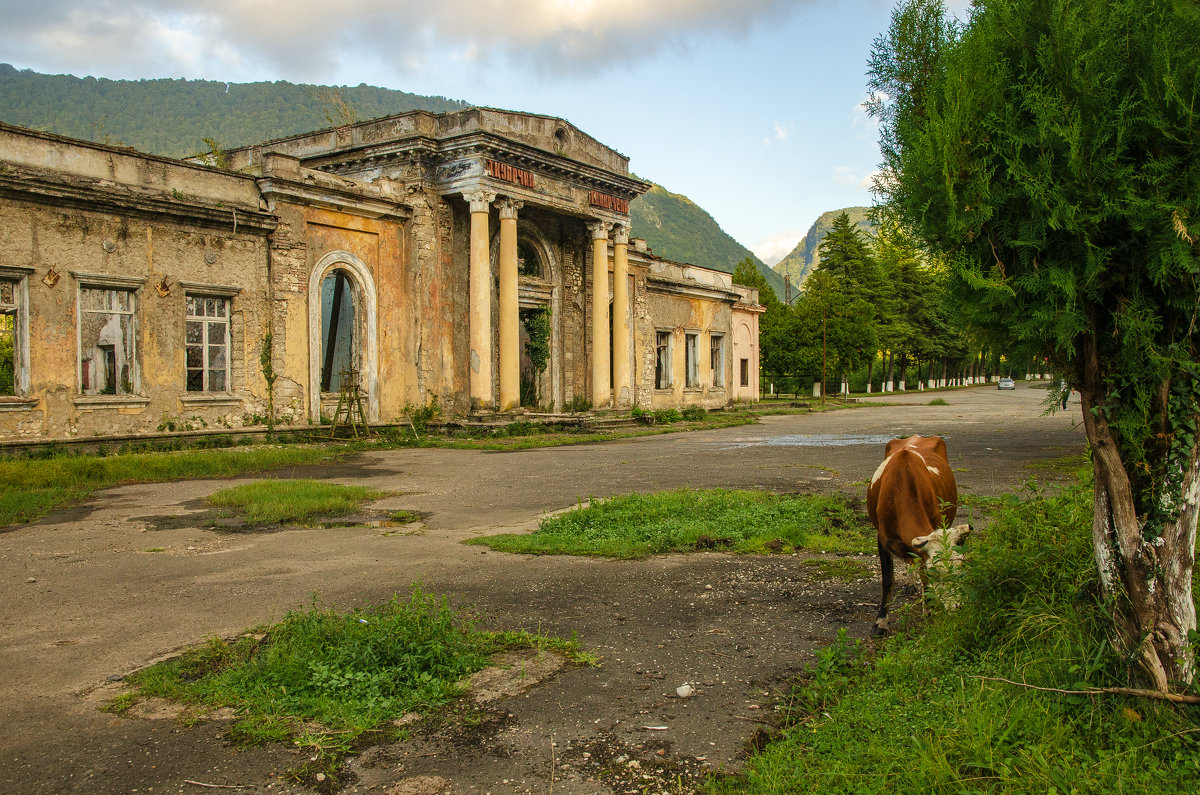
331	198
94	195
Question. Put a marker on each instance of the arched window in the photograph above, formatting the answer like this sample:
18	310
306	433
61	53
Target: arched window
342	329
529	262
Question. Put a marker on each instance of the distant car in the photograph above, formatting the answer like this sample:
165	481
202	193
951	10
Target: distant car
1006	383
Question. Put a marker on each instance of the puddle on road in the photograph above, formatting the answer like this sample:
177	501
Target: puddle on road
812	440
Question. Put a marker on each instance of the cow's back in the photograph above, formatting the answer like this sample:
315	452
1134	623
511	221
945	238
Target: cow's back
912	493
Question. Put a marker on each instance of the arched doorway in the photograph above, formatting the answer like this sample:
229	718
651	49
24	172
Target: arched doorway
342	331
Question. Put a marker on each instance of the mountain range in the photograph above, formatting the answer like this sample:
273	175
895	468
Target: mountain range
803	259
178	118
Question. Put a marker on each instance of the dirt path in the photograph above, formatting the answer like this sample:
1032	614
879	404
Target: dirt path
82	600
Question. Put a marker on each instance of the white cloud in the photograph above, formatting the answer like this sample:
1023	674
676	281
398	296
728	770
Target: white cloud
868	182
781	133
775	247
845	176
306	39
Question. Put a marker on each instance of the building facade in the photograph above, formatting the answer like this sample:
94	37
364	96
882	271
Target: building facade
481	258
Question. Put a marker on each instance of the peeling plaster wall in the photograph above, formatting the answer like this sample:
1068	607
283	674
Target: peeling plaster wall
70	240
71	208
658	308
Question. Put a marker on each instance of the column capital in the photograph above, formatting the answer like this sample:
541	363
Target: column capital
480	200
508	208
621	234
599	229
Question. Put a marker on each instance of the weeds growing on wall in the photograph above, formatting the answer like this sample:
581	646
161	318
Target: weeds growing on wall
929	716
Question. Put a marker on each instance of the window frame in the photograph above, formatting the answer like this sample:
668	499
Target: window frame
206	323
691	360
744	372
663	345
716	343
109	283
18	277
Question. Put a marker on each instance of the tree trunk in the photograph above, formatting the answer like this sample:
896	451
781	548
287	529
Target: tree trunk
890	368
1148	583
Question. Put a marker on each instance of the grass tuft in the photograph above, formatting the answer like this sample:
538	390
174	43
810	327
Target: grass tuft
294	501
322	678
639	525
32	488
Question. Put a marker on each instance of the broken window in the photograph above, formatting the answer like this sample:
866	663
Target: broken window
691	349
107	341
207	343
745	368
9	344
662	362
528	261
716	357
339	346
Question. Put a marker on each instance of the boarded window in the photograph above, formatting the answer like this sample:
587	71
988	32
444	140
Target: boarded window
9	323
716	358
691	355
662	361
207	343
745	371
339	346
107	341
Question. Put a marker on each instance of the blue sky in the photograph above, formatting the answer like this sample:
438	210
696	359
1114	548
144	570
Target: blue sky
751	108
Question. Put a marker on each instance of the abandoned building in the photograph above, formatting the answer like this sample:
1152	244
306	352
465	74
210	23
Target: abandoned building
482	259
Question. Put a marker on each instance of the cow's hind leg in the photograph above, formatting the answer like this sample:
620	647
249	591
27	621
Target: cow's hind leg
887	575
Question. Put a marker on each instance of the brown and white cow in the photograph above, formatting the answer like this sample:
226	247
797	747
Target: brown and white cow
911	501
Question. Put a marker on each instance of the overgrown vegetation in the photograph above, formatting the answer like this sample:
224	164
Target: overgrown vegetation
324	678
928	714
31	488
639	525
292	501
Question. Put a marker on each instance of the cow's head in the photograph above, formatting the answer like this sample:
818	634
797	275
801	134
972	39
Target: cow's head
941	559
940	544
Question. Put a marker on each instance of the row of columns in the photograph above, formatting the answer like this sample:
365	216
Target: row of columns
620	392
509	318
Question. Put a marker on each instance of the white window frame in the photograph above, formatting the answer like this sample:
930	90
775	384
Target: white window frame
19	279
206	323
691	360
664	361
716	343
126	284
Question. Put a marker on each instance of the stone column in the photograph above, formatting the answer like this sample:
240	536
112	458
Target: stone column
481	300
510	322
600	386
622	341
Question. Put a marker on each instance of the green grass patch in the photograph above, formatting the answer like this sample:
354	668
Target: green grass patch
324	678
837	568
292	501
32	488
922	717
639	525
939	402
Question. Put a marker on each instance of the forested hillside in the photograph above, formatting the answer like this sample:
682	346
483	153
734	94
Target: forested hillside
173	117
804	258
676	228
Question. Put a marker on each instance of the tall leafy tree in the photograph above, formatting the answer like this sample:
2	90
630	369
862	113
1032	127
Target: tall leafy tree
848	290
1049	149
